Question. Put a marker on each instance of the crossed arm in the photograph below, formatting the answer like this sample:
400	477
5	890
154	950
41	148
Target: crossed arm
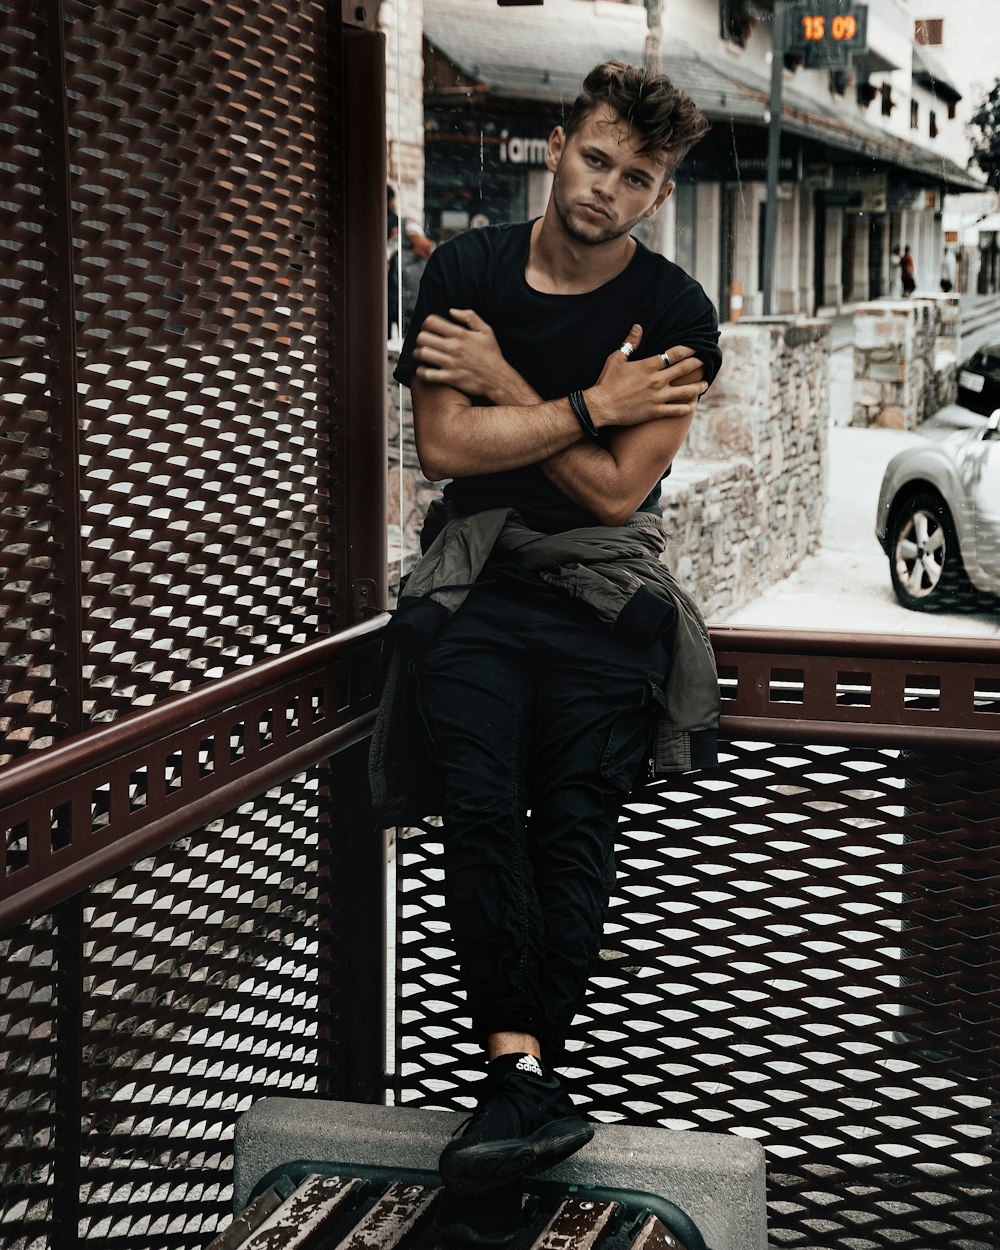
649	406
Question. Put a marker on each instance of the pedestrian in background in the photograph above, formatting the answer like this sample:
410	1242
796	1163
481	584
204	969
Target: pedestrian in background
906	272
895	277
949	271
407	254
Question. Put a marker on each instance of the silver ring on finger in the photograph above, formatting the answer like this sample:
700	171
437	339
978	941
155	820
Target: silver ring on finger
627	349
666	360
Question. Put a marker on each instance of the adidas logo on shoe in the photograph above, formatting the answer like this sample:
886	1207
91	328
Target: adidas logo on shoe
528	1063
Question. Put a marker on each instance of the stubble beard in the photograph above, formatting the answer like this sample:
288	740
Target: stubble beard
603	235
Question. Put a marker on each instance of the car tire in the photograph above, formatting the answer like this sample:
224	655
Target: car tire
924	559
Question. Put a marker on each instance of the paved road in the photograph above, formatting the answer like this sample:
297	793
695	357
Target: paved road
845	585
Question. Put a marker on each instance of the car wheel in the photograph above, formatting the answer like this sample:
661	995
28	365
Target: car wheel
925	563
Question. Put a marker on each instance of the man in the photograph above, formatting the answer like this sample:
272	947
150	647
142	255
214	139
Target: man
907	273
413	250
949	271
555	368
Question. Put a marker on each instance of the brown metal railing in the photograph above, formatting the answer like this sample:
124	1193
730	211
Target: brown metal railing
78	812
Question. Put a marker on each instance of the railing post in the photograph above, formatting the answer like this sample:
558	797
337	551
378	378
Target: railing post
67	615
357	954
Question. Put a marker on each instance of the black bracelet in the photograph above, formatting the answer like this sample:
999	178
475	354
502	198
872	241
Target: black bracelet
582	413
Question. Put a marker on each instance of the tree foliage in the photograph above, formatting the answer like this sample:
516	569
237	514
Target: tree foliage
984	133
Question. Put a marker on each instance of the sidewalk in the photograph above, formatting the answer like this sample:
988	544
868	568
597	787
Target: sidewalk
845	585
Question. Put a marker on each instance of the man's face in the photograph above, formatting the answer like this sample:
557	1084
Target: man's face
603	186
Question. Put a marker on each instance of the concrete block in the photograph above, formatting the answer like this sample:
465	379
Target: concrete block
717	1179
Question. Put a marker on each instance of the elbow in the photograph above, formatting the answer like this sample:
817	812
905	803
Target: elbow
613	512
431	470
432	461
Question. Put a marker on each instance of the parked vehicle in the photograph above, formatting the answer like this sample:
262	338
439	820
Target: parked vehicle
938	519
979	380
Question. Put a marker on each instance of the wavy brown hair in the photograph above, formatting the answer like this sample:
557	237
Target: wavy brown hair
668	121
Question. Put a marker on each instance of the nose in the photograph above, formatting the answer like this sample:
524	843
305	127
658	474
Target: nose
604	184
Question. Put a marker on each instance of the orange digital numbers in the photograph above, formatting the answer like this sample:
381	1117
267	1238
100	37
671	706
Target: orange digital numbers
844	26
813	27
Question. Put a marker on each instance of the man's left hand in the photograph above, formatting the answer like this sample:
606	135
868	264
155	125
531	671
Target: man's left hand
461	350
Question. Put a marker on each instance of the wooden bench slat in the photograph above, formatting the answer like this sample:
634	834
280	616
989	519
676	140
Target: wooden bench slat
655	1236
579	1224
304	1214
401	1210
248	1221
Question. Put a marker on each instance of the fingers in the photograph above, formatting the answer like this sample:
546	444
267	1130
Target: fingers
441	326
689	393
467	317
675	356
632	341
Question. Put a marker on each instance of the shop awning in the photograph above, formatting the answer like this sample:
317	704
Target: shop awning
544	52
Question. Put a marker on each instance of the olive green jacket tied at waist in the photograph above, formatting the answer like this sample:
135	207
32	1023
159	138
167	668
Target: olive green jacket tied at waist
615	571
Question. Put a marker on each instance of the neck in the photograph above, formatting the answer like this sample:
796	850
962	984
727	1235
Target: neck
559	265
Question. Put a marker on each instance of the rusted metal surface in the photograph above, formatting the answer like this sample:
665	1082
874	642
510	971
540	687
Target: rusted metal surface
304	1216
401	1211
652	1235
579	1224
248	1221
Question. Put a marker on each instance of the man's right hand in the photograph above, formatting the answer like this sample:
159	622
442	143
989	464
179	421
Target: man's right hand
461	351
631	392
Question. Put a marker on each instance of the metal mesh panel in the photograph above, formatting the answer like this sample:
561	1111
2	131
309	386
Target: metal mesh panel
27	474
202	278
28	1033
802	948
204	988
202	274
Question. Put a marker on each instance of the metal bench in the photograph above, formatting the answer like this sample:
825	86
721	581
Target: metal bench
715	1181
323	1206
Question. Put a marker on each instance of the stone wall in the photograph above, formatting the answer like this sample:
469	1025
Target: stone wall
743	505
904	359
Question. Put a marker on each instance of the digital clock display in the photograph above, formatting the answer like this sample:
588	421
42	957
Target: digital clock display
826	32
815	27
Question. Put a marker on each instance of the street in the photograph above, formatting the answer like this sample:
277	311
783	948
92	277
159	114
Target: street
845	584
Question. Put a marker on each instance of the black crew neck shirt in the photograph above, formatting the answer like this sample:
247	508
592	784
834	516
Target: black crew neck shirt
557	343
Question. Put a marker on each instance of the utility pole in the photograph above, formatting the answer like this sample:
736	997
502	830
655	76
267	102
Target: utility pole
653	230
778	42
826	34
654	34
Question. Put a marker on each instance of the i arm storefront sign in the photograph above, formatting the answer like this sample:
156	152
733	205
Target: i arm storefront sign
826	32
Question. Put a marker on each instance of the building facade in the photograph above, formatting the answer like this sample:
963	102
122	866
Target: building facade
867	152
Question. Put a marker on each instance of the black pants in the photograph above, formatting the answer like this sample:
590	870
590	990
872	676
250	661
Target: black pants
531	704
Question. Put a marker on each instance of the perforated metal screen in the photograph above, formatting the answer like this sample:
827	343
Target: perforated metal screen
173	469
204	985
28	1038
167	265
803	949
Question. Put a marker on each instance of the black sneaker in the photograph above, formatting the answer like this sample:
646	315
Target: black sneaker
490	1220
524	1123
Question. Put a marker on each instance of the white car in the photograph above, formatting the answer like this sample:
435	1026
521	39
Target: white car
938	519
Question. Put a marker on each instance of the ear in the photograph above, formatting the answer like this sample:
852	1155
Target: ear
555	149
666	191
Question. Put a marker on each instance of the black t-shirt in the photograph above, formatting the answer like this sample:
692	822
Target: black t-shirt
557	343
